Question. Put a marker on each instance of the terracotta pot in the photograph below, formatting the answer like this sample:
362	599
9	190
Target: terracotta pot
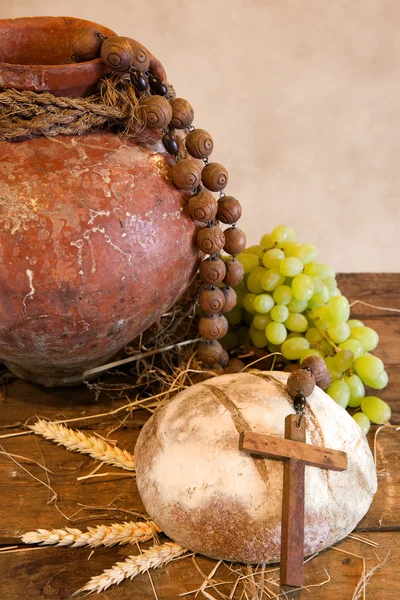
95	241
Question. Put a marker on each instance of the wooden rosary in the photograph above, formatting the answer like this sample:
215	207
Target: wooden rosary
193	174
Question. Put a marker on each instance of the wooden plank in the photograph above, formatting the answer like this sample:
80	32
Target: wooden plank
280	448
55	573
379	289
292	536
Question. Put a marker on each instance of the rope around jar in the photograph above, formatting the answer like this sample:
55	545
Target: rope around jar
133	99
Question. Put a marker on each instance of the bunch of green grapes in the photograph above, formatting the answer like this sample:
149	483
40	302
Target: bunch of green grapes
289	303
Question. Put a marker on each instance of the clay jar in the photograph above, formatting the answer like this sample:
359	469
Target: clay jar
95	240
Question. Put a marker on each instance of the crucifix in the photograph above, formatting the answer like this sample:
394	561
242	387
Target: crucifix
296	454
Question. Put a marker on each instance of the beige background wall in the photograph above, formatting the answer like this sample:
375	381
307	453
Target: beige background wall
302	98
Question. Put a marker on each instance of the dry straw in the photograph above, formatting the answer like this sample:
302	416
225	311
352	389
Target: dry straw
79	441
101	535
156	556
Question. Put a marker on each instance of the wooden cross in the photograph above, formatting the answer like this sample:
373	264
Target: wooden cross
296	454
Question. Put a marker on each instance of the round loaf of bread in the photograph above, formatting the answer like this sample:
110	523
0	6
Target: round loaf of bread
211	498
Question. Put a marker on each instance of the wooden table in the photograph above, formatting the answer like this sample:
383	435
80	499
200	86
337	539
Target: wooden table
55	573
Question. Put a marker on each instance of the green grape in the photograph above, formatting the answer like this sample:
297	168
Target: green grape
296	322
320	314
263	303
339	308
353	346
241	287
377	383
329	360
368	366
367	337
234	316
357	391
249	261
283	294
340	392
305	252
355	323
311	352
279	313
267	242
313	336
289	248
273	257
257	250
271	279
294	334
302	287
343	360
319	298
253	282
248	301
293	347
258	338
283	233
338	331
363	422
314	269
330	283
261	321
276	333
243	336
376	409
297	306
291	266
230	340
248	317
318	284
335	292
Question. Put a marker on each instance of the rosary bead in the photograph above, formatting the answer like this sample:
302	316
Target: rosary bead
214	177
156	112
300	382
186	174
158	86
138	81
234	272
212	301
229	210
182	113
212	270
210	352
170	143
224	360
299	403
117	53
86	44
199	143
203	207
235	240
230	298
318	367
235	365
217	369
211	240
140	58
213	327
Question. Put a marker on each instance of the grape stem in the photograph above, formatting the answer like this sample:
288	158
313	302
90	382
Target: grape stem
323	333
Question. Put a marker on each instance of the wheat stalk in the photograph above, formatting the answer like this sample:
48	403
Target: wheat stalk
101	535
79	441
156	556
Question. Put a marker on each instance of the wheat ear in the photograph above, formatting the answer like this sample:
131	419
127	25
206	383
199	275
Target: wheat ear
156	556
78	441
101	535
